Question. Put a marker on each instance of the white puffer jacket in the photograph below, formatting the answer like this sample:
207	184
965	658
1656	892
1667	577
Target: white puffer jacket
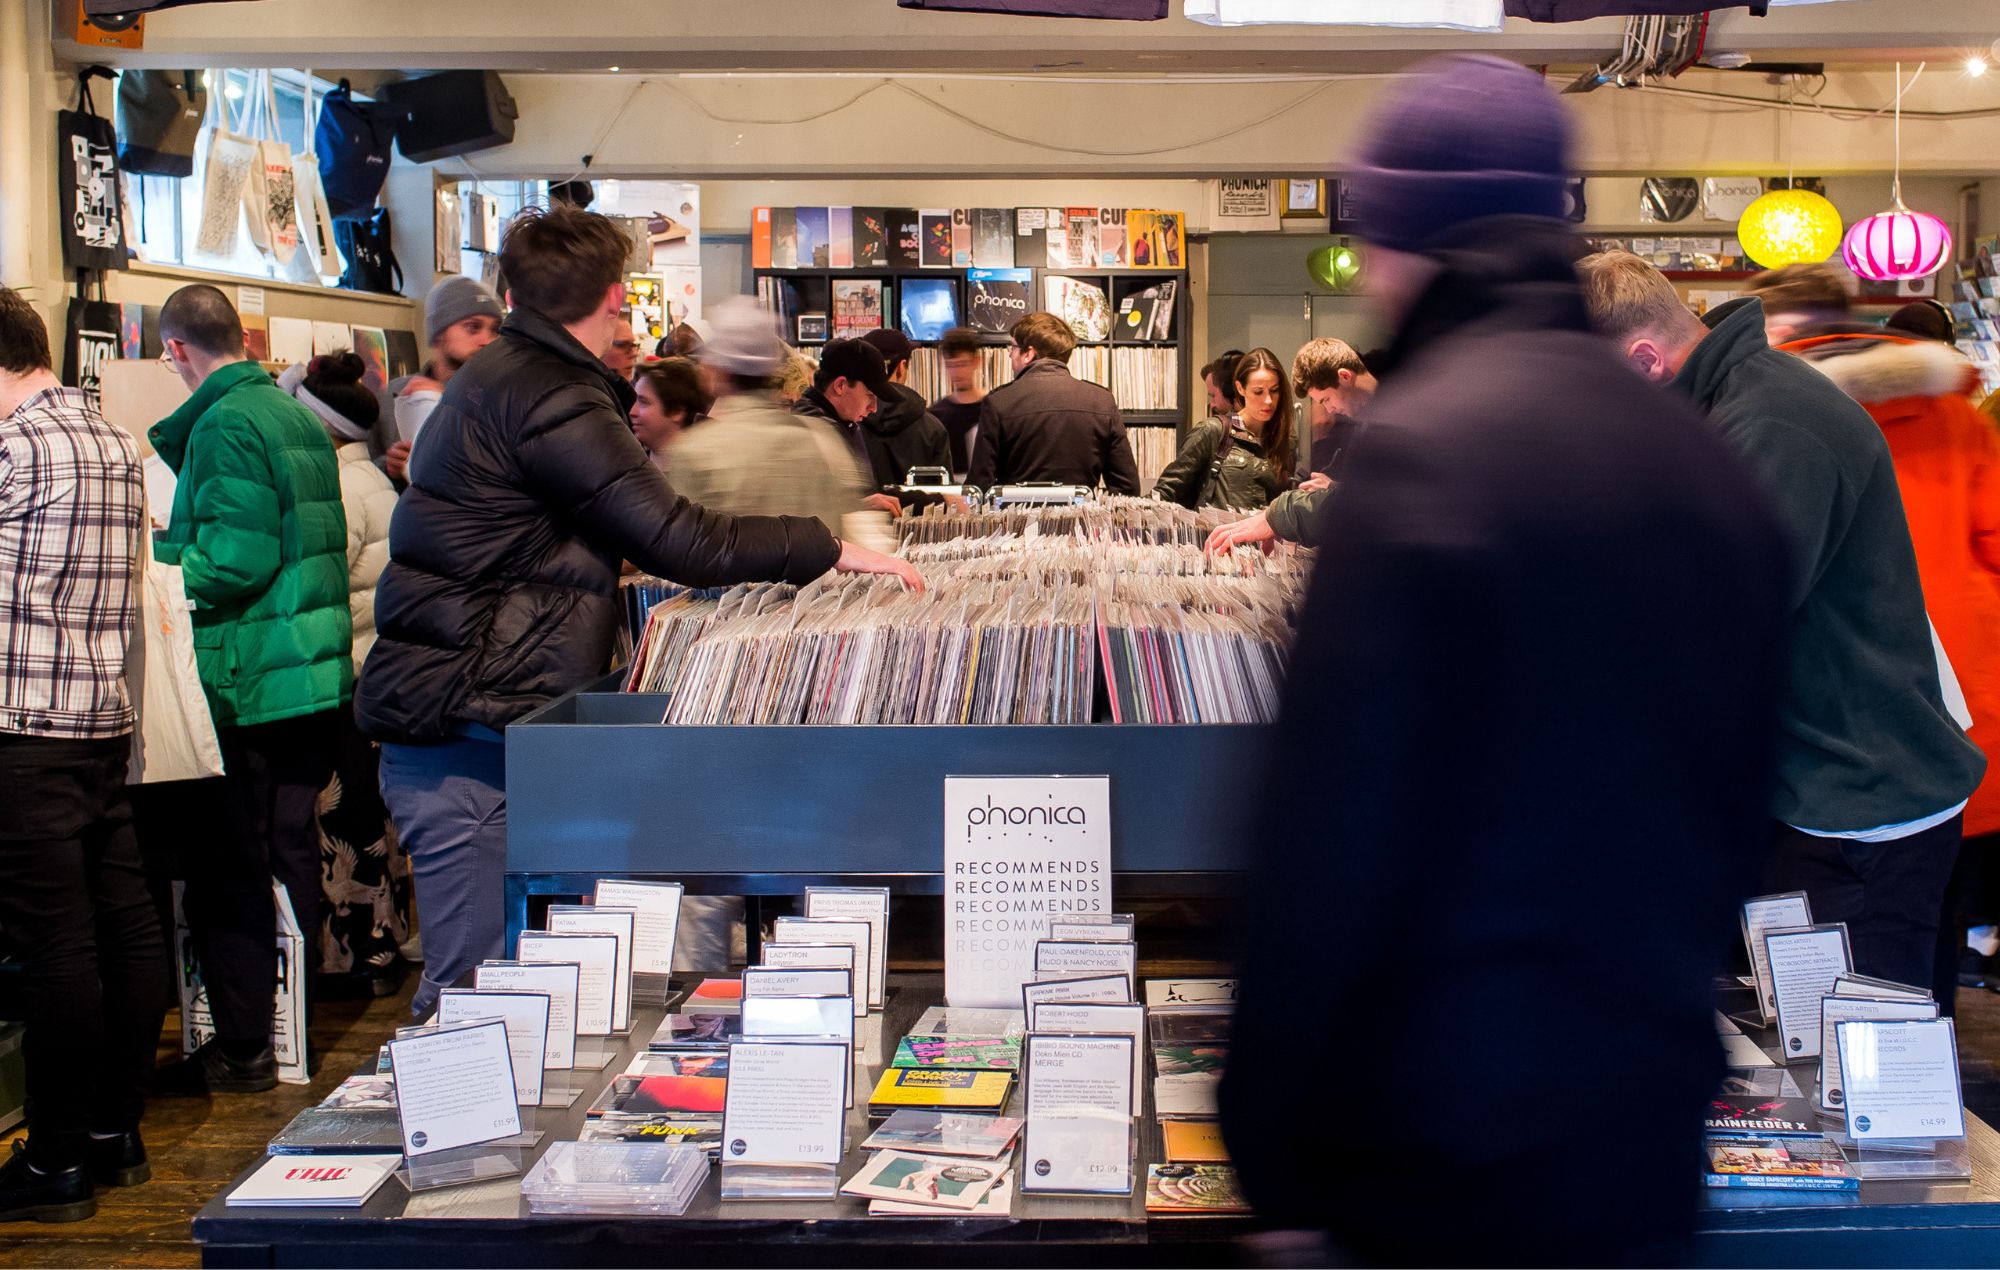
369	500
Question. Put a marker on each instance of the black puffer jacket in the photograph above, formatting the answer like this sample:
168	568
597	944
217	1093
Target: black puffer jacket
902	434
1048	425
529	488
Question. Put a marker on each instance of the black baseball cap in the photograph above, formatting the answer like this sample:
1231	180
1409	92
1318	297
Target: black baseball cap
855	360
892	344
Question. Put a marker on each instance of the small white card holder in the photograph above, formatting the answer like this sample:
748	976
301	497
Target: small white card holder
500	1156
1872	1097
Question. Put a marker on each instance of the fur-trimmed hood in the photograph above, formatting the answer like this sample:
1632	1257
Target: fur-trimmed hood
1877	368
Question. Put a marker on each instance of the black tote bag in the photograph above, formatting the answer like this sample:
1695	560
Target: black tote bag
93	223
91	337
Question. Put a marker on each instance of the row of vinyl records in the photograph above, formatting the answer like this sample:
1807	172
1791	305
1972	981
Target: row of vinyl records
1140	378
1024	608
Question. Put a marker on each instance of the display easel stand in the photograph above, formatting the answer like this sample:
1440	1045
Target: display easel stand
595	1053
1908	1159
746	1181
462	1165
650	989
559	1089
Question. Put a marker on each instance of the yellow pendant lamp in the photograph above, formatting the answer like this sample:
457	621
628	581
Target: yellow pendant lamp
1790	226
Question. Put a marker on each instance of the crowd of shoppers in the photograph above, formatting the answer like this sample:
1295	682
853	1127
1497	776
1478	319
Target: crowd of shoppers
1767	534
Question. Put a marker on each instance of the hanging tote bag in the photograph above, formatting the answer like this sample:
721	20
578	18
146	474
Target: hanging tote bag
93	226
231	164
352	141
281	206
159	121
371	260
91	336
315	219
174	737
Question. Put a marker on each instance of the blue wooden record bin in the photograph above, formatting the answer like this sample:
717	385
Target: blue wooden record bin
598	787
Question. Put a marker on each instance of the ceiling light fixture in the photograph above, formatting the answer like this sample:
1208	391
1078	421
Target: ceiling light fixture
1899	243
1789	226
1975	66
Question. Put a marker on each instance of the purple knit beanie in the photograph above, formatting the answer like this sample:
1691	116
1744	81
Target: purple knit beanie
1461	138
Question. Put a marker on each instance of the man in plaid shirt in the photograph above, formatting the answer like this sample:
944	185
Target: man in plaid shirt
73	901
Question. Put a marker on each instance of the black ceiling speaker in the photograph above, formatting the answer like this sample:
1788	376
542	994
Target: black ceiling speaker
451	112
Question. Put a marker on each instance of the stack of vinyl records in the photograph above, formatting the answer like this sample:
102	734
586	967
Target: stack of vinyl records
1024	605
614	1177
1153	447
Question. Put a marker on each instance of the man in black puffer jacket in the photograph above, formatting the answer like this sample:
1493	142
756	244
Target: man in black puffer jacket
501	589
902	433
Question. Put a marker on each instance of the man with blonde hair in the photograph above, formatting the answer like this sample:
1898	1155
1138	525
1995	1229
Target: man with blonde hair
1330	374
1873	772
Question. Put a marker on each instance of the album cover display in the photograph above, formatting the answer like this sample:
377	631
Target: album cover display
945	1133
1782	1164
1194	1188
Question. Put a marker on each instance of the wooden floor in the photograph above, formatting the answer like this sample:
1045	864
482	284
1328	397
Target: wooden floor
200	1145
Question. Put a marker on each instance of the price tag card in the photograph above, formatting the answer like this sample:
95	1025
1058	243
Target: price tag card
1106	1018
526	1017
830	956
454	1088
621	923
829	930
596	959
658	905
558	982
864	903
1076	958
786	1102
1804	963
1836	1010
780	981
1078	1136
1112	988
1901	1079
804	1019
1770	912
798	1016
1112	927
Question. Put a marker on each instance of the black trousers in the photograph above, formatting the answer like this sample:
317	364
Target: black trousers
75	910
1892	895
272	777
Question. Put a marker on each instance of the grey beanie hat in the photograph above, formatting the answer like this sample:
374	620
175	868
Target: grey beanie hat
455	298
743	339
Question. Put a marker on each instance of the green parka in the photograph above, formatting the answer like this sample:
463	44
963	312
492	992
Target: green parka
260	536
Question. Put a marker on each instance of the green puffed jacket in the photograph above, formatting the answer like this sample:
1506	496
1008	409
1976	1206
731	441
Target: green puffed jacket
261	539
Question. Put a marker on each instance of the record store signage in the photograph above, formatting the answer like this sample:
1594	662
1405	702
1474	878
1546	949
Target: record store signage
1018	850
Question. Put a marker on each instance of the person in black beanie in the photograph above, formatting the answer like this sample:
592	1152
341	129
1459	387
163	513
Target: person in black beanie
1546	616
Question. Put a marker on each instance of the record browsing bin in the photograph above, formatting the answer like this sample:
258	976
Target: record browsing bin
598	787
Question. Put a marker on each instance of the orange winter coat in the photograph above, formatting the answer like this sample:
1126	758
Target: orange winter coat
1947	457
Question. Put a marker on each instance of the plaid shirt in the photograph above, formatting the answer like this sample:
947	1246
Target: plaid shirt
72	508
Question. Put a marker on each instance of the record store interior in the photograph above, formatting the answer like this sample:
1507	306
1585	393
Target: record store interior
1000	632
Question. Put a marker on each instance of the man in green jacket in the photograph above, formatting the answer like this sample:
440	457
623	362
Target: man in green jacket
258	531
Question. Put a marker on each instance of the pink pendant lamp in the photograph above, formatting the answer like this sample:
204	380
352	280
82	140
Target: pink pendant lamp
1899	243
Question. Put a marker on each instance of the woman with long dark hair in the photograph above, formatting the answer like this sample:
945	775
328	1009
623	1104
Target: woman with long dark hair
1247	458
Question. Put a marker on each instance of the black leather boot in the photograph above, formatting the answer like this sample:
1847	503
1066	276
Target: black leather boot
58	1195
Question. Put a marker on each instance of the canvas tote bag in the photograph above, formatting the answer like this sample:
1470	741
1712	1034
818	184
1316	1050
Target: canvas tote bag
232	184
280	208
174	736
315	220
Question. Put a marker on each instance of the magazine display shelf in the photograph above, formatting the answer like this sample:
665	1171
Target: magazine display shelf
598	787
487	1224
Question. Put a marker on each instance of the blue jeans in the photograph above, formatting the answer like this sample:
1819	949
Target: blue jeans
449	802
